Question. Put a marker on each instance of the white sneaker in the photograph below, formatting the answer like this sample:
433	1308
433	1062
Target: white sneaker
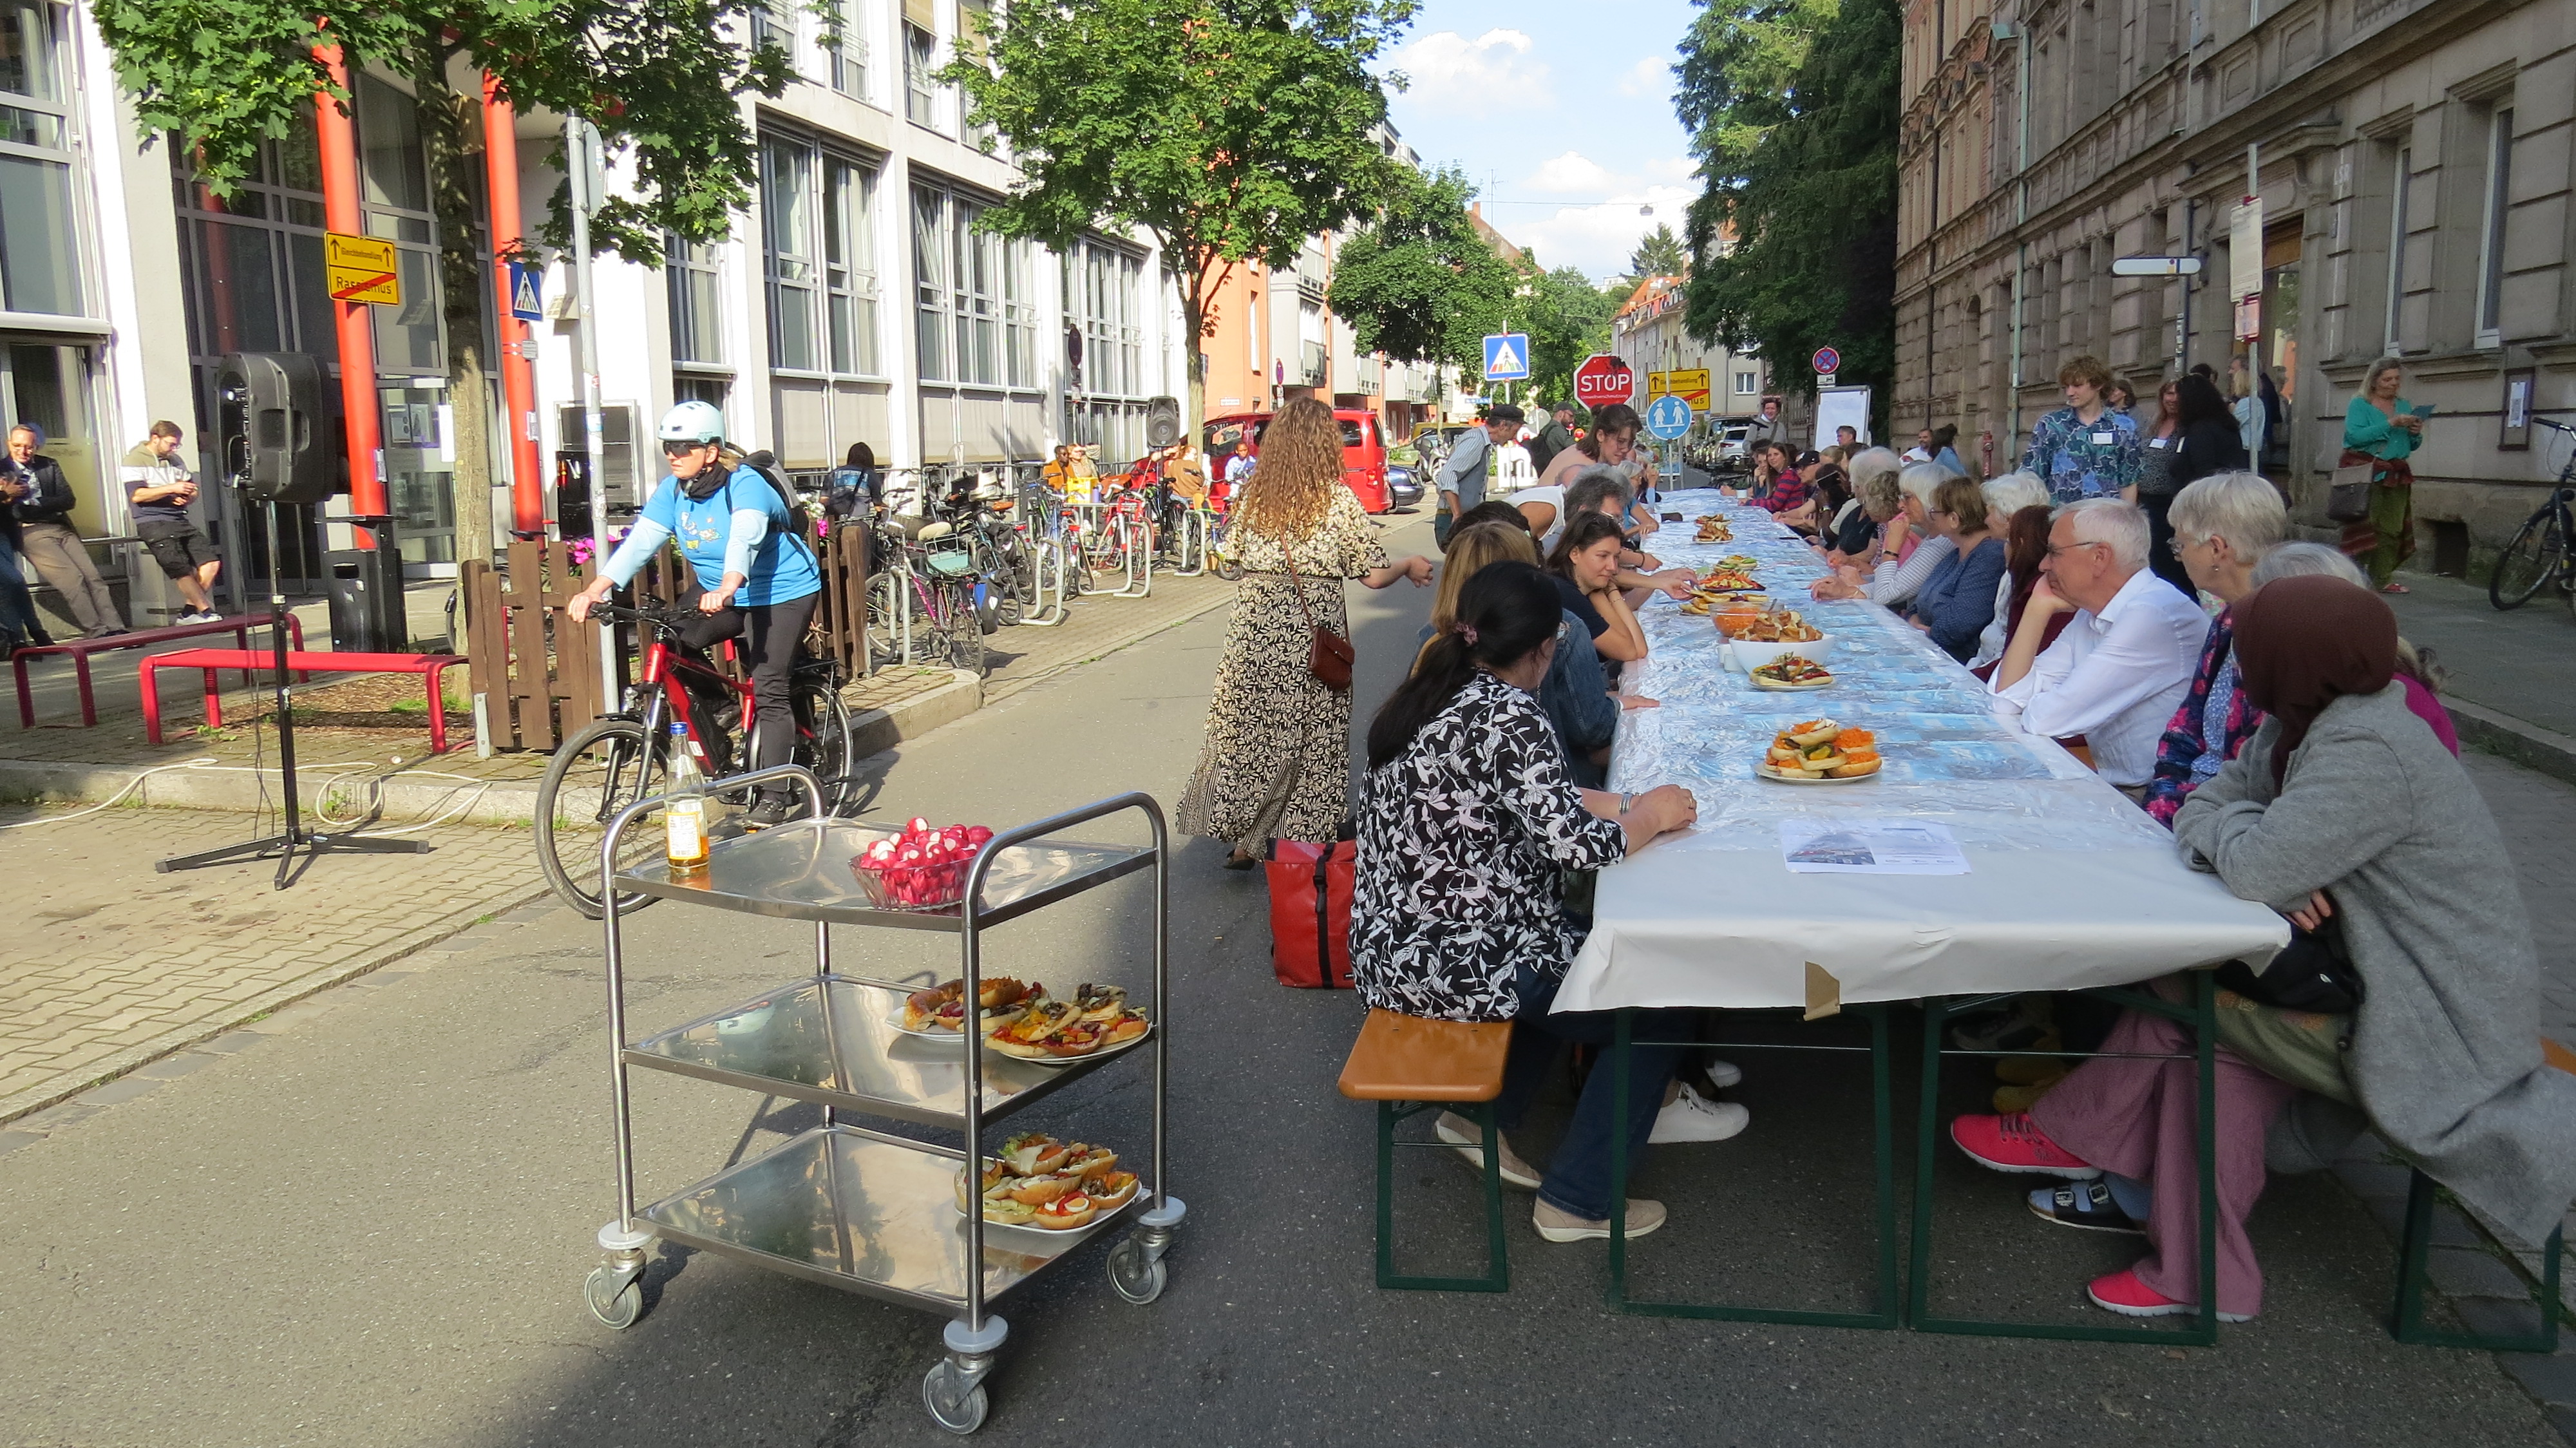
1722	1074
1692	1117
1468	1139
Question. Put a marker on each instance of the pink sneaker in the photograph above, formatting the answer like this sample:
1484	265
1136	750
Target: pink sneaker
2123	1293
2016	1144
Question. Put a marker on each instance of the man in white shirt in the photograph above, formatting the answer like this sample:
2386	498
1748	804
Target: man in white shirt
2122	666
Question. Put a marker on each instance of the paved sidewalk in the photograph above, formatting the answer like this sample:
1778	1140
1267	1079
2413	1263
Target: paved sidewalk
113	965
2517	670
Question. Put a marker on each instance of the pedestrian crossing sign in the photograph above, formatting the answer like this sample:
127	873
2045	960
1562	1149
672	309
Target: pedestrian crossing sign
1507	357
527	292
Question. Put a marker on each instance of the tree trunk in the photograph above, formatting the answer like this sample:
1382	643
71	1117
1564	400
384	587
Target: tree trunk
447	132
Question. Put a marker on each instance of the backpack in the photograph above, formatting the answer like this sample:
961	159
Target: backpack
765	463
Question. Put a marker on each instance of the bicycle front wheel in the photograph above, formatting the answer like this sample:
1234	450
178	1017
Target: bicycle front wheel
593	775
825	742
2536	555
965	629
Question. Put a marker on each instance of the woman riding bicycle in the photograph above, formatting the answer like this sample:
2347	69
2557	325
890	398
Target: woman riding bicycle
758	580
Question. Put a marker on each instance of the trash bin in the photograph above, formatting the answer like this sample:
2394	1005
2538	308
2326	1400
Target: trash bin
367	594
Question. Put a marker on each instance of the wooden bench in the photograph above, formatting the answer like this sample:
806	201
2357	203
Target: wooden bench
1401	1059
79	650
428	666
2414	1247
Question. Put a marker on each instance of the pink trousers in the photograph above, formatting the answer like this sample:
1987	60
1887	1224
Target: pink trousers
2142	1119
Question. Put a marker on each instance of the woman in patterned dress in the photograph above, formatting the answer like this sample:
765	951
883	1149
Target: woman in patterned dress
1276	764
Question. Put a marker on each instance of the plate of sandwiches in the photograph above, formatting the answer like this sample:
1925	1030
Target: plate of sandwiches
1820	751
1790	673
1040	1184
1020	1019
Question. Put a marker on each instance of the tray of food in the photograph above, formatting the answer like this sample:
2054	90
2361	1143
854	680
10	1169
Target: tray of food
1714	529
1040	1184
1820	751
1790	672
1020	1019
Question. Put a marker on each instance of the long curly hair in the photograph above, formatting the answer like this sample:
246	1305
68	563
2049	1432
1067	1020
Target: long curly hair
1294	478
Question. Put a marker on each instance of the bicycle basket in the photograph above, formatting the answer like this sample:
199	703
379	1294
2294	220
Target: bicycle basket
952	565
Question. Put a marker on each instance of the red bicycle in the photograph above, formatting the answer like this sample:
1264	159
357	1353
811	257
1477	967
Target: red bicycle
683	702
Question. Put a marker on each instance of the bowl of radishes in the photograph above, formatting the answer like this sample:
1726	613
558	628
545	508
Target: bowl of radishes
921	869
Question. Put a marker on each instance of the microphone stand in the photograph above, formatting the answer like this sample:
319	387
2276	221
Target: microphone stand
283	847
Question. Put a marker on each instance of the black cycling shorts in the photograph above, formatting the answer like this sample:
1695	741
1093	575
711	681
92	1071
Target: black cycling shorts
177	546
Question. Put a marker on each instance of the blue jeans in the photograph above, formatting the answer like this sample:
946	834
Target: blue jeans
18	621
1578	1176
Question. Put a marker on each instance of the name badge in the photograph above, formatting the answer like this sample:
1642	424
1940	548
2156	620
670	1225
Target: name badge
2157	441
2105	439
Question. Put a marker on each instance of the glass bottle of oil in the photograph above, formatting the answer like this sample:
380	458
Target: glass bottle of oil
684	816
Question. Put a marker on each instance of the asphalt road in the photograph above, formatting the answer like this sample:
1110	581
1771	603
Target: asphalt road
373	1228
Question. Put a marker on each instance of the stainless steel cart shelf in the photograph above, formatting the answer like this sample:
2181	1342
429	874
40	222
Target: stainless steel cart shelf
859	1209
826	1040
801	871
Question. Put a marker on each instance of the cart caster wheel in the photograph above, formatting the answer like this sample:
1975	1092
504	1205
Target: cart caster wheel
620	1307
1136	1279
959	1413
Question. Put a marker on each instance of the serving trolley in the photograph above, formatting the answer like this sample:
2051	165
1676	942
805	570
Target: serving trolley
858	1208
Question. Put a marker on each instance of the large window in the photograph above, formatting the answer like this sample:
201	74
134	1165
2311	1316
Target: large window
697	317
38	238
974	295
821	258
848	48
2401	180
2499	158
920	92
1103	291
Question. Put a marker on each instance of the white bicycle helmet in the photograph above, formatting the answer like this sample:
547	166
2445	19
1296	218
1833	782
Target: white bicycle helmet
692	422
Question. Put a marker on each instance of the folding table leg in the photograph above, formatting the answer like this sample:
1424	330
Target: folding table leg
2202	1013
2407	1322
1887	1313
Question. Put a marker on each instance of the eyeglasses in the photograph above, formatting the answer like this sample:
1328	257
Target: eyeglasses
2176	545
2058	548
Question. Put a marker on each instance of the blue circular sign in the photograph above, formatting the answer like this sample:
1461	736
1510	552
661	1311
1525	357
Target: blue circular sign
1668	417
1827	360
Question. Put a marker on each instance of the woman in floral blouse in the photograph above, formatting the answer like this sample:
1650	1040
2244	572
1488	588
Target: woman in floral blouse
1467	820
2222	527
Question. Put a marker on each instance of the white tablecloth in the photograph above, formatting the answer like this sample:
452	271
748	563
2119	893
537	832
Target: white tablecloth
2069	883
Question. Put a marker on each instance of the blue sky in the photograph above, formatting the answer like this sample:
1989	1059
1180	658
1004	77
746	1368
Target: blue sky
1562	114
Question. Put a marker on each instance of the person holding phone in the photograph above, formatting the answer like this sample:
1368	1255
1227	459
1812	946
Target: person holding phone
2381	430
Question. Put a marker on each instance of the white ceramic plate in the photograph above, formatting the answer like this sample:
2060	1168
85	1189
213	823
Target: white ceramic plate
1765	770
895	1023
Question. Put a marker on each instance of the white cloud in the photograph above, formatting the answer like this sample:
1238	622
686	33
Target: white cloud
1572	174
1491	75
1652	76
1599	237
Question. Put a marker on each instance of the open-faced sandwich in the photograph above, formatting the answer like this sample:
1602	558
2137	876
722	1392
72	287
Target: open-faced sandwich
1041	1182
1793	671
1822	749
943	1007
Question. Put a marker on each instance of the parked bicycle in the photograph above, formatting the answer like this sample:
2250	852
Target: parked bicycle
683	702
922	598
2540	554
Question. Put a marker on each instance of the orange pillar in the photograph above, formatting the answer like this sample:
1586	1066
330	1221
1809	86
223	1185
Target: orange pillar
341	213
518	373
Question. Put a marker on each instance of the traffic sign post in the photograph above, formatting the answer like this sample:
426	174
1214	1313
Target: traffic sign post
1603	380
1826	362
1668	417
1507	357
360	269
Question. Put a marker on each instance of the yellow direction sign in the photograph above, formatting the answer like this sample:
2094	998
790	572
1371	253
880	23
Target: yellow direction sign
1655	385
1690	385
361	269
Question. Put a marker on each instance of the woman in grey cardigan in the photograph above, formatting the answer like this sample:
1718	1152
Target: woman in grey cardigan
2343	812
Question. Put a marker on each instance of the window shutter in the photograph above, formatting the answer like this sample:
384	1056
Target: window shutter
919	13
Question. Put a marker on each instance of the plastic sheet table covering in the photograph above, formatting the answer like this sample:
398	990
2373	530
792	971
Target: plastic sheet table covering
2069	884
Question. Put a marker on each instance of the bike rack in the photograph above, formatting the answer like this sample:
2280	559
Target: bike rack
1135	558
1046	605
1191	543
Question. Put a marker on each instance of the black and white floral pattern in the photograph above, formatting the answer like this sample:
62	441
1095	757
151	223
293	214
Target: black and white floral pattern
1461	841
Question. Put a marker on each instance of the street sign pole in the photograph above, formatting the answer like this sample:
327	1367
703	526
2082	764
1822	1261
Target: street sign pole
587	169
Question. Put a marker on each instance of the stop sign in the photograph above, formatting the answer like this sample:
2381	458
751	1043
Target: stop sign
1604	379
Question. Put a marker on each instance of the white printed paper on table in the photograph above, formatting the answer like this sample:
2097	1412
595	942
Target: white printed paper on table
1870	847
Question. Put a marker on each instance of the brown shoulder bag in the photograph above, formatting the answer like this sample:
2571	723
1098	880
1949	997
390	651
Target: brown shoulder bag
1329	656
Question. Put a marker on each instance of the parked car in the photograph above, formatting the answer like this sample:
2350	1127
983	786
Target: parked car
1404	484
1731	432
1364	465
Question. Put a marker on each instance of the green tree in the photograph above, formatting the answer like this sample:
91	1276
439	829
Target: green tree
1659	254
1811	206
657	77
1230	130
1568	319
1738	65
1418	283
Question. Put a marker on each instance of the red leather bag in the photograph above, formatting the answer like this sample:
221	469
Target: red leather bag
1310	912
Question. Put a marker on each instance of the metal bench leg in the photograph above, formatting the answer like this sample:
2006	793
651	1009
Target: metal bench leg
150	680
214	701
88	698
26	699
437	709
2414	1251
1498	1276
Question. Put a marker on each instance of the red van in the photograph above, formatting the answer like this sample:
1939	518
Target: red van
1363	449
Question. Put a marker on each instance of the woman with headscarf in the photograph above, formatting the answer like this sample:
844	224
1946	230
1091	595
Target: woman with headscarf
2345	814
